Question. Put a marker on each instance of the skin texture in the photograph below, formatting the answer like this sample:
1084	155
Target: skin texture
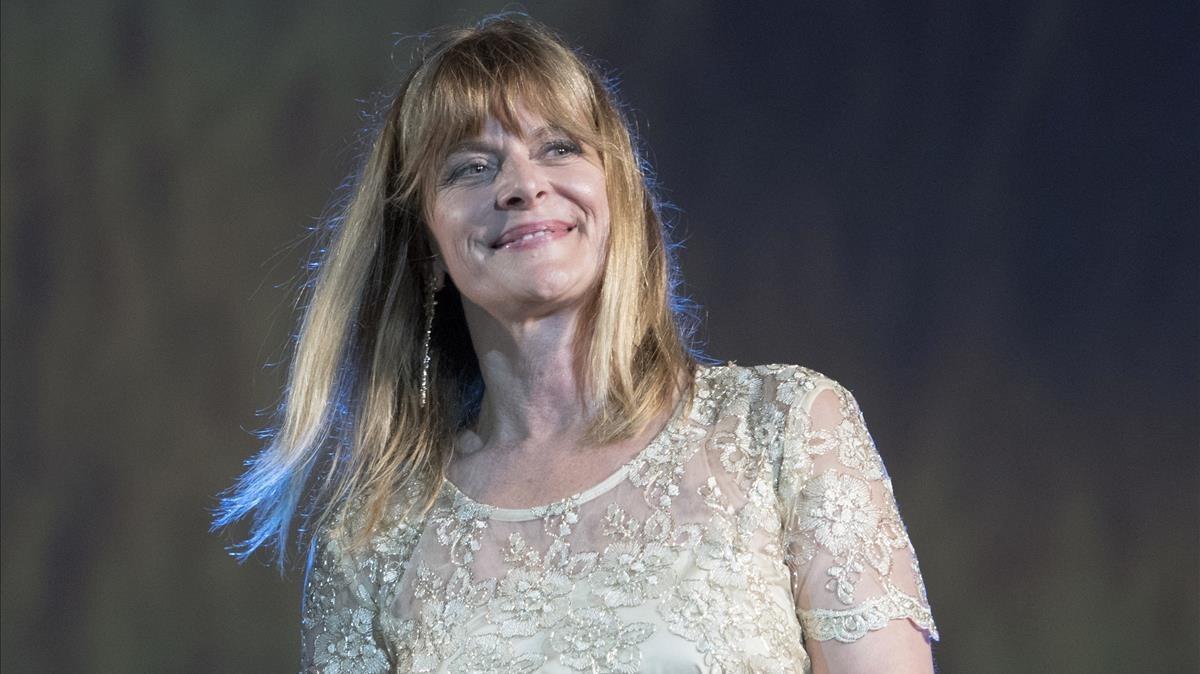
522	305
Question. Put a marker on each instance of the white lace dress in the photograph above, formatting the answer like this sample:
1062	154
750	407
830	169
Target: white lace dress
757	520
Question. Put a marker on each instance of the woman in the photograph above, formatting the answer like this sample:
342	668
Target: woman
511	460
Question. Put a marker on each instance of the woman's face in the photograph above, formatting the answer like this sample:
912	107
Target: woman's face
521	220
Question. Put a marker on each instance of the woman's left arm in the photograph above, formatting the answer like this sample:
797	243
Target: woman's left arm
855	580
338	623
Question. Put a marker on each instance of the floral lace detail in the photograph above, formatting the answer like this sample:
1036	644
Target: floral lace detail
850	441
444	606
659	469
873	614
591	639
558	518
839	517
340	622
495	654
742	530
843	527
346	642
536	591
629	573
460	527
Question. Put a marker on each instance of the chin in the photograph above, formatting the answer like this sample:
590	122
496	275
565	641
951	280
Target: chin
555	286
537	288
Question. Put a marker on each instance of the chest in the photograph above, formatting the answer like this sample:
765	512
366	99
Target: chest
606	582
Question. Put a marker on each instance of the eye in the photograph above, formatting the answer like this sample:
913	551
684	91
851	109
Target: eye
467	170
562	147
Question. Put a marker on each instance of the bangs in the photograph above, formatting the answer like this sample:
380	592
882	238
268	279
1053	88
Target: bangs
494	75
470	91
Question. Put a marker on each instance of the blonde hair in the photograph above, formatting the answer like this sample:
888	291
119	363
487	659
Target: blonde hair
351	427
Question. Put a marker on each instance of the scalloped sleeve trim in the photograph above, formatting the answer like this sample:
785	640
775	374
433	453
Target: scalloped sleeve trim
848	625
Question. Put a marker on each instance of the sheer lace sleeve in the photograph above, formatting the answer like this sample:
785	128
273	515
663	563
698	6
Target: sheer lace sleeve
339	616
852	565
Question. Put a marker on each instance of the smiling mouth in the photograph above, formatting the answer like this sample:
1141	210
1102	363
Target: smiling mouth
525	234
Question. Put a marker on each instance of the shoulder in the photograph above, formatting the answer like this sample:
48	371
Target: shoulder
784	406
779	401
787	385
354	534
789	415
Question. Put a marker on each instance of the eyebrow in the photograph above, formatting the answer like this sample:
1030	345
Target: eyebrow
475	145
469	145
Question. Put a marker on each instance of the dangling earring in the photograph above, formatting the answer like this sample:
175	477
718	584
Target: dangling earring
430	305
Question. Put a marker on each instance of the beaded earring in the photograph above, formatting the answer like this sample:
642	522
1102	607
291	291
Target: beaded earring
430	305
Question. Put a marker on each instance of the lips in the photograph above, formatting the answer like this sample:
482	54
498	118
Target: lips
528	233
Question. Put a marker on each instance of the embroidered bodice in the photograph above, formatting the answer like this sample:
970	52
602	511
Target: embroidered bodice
759	518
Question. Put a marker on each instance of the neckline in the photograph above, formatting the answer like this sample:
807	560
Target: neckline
498	513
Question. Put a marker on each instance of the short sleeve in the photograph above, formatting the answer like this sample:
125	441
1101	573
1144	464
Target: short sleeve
339	615
852	565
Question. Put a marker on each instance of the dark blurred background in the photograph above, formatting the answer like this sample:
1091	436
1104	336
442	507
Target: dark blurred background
981	217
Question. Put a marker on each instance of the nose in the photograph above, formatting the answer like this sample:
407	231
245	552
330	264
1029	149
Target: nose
522	185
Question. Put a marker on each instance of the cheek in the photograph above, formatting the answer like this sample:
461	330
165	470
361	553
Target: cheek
592	192
603	213
449	226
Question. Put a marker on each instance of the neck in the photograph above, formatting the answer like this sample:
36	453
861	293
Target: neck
532	392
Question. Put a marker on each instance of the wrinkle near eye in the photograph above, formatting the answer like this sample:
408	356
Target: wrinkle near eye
467	169
561	147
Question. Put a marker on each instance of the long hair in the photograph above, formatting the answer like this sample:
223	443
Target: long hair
351	428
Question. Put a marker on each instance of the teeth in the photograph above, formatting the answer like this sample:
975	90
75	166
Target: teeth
528	237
